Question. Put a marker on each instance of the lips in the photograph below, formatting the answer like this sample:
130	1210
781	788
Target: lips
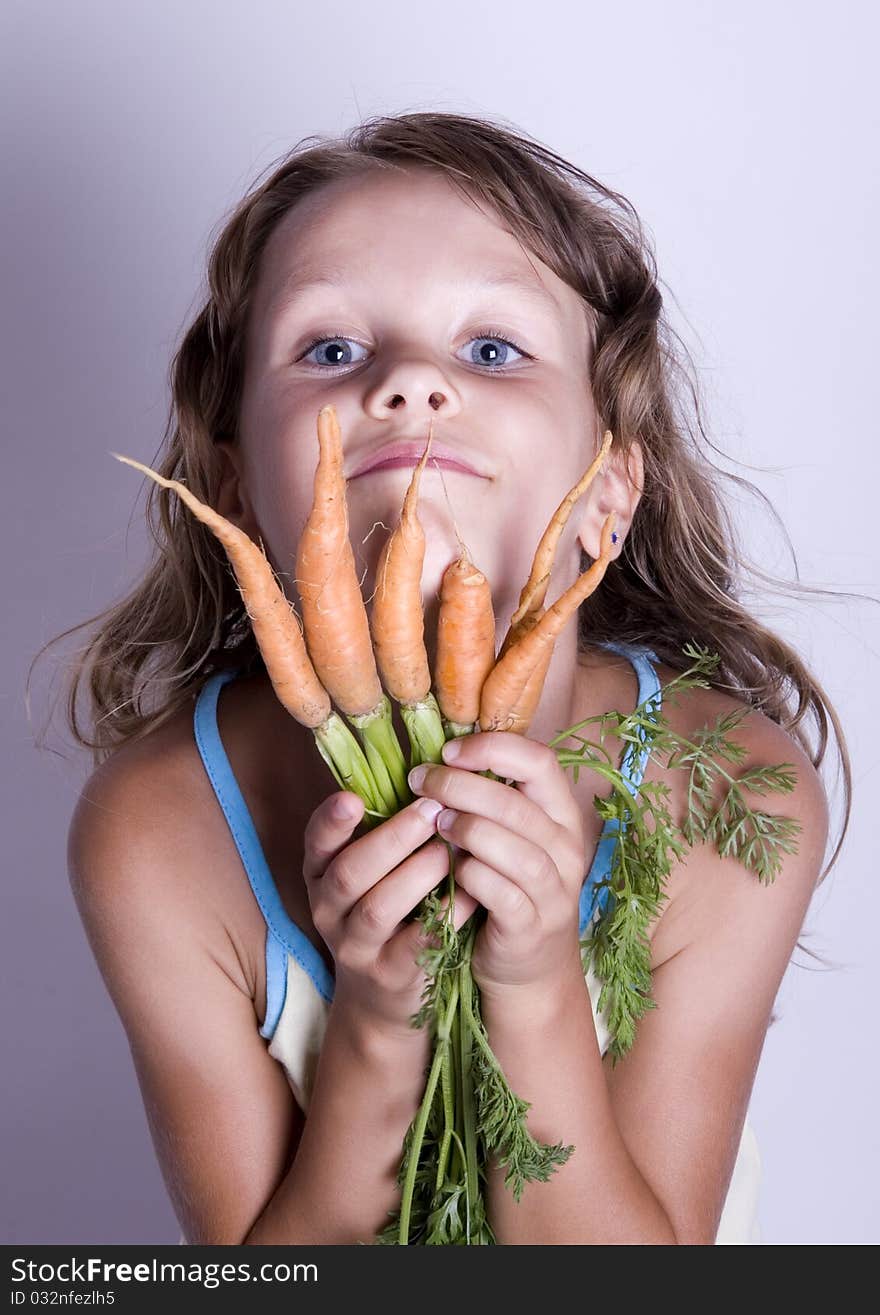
405	452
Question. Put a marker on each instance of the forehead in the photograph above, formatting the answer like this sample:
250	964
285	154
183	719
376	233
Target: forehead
413	227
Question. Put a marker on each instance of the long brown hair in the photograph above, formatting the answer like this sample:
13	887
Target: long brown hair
681	574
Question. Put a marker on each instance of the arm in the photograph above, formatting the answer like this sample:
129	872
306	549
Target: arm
656	1136
342	1186
239	1161
548	1050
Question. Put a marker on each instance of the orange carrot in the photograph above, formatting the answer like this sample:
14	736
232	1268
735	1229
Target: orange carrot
531	600
334	616
274	621
503	701
465	643
335	620
397	619
531	695
288	664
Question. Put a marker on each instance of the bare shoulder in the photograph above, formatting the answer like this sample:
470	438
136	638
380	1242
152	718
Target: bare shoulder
154	888
720	949
703	887
151	804
157	789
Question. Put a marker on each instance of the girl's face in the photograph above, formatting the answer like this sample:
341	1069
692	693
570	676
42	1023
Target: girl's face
414	327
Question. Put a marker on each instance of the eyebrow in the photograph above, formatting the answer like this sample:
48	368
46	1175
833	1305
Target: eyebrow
296	285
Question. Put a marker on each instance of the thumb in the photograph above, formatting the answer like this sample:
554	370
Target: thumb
329	829
346	806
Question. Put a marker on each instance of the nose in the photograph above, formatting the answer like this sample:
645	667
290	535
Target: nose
417	389
435	401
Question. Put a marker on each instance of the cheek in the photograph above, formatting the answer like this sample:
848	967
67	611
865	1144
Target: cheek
530	500
281	486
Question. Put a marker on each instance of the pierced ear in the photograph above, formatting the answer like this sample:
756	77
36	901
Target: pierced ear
618	490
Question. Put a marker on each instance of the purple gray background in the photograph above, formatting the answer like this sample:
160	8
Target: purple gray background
745	139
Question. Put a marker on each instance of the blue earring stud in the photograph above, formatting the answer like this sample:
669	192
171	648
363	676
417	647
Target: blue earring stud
613	537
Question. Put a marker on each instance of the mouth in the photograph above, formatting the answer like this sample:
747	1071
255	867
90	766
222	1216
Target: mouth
409	462
407	452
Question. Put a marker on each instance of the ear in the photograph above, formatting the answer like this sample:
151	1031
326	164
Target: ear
232	500
618	488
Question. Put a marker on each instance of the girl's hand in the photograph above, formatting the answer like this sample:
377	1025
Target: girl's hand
525	859
361	892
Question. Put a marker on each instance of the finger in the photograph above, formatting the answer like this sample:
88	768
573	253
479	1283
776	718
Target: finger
403	950
510	909
521	861
329	829
375	853
531	763
381	850
467	791
374	919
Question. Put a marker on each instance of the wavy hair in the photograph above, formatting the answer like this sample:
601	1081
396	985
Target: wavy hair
681	575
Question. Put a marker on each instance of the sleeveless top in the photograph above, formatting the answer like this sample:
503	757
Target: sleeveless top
299	986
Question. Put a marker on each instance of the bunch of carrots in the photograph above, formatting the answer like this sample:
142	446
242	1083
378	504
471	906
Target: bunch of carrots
360	663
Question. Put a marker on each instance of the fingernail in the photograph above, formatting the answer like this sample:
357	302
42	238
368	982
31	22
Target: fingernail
343	809
417	777
429	808
446	819
450	751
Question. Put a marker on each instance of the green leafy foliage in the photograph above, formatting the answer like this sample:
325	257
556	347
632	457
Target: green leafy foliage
469	1112
648	840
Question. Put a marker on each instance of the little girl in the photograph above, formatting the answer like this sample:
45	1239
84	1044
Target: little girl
257	945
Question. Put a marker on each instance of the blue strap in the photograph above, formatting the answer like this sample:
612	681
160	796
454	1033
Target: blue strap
632	768
283	935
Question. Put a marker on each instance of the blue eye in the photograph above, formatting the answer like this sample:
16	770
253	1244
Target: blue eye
337	341
490	336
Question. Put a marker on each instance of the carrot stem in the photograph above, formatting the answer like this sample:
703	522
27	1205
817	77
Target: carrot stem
469	1113
455	729
441	1160
347	762
455	1057
422	1117
425	729
384	755
447	1083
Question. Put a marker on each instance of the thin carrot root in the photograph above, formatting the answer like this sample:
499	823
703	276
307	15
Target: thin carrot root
531	599
274	621
465	644
281	643
503	701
